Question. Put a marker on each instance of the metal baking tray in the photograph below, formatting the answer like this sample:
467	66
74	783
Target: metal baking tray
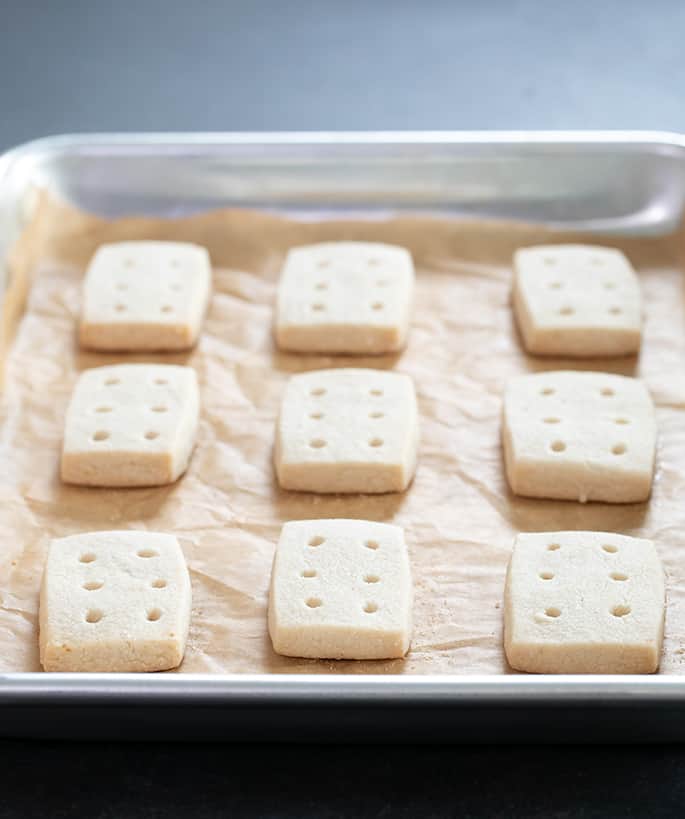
622	182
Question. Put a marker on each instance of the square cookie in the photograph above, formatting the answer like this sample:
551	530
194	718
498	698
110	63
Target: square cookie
345	297
581	436
341	589
114	601
584	603
130	425
577	300
145	296
347	430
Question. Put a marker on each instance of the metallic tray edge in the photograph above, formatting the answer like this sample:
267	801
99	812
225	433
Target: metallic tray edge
338	690
458	172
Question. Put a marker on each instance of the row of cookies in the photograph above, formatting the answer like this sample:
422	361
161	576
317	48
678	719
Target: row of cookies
356	298
574	602
339	297
570	435
121	601
580	602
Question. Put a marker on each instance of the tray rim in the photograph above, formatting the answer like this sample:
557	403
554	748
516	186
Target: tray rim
395	137
340	690
204	140
316	690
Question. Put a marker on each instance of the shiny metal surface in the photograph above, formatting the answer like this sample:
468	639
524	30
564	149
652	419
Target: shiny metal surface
627	181
313	689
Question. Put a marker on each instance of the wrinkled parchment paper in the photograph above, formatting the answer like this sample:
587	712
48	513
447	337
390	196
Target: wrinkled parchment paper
459	517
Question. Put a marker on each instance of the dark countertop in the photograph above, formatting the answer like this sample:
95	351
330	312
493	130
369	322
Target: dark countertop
274	781
167	65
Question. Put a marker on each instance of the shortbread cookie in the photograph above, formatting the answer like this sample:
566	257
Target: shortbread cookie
577	300
145	296
341	589
345	297
347	430
130	425
584	603
582	436
114	601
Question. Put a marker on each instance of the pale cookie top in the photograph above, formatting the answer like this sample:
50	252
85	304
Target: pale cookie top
578	286
151	288
577	300
348	415
144	408
345	297
581	417
589	588
113	590
347	573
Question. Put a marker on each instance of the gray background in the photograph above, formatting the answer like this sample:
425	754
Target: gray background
390	64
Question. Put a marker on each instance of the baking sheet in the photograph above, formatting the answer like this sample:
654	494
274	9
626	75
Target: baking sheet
227	511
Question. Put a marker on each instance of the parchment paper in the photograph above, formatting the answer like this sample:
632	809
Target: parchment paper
459	517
